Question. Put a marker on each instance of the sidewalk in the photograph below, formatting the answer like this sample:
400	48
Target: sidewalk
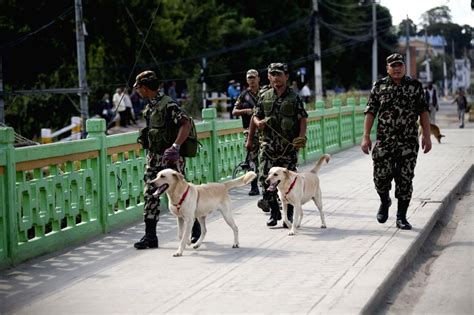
344	269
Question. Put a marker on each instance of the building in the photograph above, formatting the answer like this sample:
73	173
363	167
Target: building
421	48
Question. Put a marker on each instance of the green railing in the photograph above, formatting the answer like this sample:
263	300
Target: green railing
55	195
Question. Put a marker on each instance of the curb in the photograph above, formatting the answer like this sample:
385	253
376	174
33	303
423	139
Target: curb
380	293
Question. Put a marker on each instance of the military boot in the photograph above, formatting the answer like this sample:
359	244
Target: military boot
264	204
254	188
275	214
385	203
196	233
289	215
149	240
402	222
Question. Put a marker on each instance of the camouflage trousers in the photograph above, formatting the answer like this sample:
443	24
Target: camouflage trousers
154	164
395	164
267	161
252	154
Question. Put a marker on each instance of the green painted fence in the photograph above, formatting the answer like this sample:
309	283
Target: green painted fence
55	195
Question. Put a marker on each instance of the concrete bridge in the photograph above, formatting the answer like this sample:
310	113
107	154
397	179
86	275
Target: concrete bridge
344	269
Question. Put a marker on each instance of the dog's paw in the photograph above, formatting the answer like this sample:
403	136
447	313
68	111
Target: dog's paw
323	226
291	233
235	246
196	246
177	254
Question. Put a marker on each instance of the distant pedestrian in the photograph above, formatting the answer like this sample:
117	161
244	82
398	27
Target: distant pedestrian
172	91
105	107
397	101
232	93
461	102
119	105
137	104
305	93
294	87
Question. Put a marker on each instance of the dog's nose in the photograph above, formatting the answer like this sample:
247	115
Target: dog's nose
267	181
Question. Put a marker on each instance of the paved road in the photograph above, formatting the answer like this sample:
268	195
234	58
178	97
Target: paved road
344	269
441	279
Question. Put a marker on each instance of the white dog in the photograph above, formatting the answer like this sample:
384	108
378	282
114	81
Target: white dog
188	201
297	189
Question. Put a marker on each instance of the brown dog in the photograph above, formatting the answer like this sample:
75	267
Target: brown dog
434	130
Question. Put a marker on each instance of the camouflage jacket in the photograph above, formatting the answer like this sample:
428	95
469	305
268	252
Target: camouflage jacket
285	123
397	107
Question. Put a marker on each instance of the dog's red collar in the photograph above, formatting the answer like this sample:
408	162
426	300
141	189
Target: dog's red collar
178	206
291	186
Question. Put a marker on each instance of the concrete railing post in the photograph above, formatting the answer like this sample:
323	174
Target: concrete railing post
336	103
351	103
210	115
46	136
76	130
96	130
320	108
7	138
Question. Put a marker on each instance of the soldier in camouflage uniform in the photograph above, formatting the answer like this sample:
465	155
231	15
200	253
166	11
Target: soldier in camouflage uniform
397	100
281	119
164	119
244	107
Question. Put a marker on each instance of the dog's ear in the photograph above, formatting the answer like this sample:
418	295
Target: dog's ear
286	173
178	175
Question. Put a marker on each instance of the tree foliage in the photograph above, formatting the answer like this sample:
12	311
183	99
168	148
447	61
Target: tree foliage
233	35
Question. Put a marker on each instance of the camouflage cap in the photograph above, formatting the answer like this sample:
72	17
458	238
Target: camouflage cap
145	78
278	67
252	73
394	58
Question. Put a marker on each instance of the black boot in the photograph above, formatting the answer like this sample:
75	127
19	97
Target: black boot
264	205
196	233
254	188
289	215
402	222
149	240
275	213
385	203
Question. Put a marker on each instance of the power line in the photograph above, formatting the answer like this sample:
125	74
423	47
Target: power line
345	6
26	36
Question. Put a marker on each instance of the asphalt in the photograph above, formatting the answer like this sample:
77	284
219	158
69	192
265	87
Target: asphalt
346	268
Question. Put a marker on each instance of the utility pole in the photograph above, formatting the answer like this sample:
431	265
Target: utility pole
203	72
445	70
318	77
374	43
408	58
2	104
81	64
453	78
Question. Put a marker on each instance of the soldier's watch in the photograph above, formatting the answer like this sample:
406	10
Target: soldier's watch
176	146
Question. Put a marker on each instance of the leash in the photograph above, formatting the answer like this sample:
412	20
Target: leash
296	142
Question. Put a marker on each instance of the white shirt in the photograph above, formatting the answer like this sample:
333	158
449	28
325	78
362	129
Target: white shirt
305	91
117	103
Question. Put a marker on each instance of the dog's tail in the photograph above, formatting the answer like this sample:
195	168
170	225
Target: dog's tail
324	157
241	181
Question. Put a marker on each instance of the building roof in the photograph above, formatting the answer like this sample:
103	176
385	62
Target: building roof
434	41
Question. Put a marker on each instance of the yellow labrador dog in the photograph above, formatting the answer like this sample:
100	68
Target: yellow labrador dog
297	189
188	201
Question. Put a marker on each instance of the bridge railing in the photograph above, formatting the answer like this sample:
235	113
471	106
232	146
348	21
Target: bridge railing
58	194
